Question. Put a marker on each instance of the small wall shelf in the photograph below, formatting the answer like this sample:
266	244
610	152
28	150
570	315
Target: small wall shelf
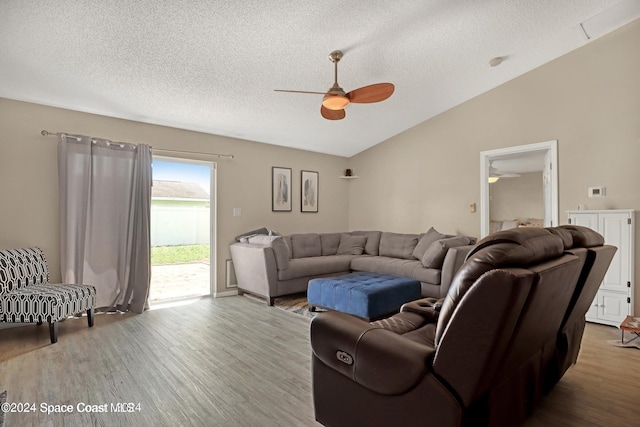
349	177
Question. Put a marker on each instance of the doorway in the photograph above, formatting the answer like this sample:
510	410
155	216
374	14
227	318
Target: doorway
540	159
182	229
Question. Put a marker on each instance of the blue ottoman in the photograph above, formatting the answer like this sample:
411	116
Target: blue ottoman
366	295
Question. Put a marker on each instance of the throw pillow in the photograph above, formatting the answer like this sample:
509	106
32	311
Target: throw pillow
351	245
435	254
260	239
244	236
426	240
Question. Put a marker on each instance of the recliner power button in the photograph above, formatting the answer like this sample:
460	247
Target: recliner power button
344	357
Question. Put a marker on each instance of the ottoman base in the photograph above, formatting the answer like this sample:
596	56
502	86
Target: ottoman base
369	296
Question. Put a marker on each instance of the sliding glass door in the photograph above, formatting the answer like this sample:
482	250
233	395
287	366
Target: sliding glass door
182	229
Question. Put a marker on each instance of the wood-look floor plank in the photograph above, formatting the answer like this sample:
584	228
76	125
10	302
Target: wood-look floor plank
227	362
236	362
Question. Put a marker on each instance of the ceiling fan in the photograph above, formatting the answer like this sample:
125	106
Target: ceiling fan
495	174
335	100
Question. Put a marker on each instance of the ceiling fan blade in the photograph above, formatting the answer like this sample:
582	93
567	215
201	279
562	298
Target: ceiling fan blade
372	93
332	114
298	91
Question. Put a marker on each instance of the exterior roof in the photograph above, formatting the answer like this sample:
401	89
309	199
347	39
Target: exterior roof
177	190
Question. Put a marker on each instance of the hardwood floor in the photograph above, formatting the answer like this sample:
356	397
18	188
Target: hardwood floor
235	362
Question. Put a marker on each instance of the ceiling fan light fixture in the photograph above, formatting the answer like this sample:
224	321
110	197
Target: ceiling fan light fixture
493	179
335	102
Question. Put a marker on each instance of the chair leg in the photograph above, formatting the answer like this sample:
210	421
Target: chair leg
39	322
53	332
90	317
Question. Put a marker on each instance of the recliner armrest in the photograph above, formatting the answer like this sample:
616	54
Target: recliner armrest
375	358
429	308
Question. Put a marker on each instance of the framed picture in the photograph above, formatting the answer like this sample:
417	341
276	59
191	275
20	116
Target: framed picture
309	191
280	189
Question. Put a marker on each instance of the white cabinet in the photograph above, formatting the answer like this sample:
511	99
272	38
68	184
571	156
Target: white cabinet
615	298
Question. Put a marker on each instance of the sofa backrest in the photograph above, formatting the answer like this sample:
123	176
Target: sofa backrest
527	246
508	297
329	243
598	257
477	336
372	246
305	245
396	245
22	267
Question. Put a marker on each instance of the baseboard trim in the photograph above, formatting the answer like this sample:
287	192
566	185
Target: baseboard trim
225	293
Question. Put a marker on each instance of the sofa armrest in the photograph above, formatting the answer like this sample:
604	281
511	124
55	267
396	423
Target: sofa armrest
452	262
358	350
255	267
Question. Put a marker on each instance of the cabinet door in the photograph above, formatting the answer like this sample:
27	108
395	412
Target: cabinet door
589	220
615	229
612	307
592	313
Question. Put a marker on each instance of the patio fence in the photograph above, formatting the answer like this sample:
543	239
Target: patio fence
172	226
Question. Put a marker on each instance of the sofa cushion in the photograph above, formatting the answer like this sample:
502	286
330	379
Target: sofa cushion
351	245
426	240
397	267
329	243
317	266
397	245
435	254
305	245
373	241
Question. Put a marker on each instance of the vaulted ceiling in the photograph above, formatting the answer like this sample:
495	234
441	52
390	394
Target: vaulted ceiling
212	66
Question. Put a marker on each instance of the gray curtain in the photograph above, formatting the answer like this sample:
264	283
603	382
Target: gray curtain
105	203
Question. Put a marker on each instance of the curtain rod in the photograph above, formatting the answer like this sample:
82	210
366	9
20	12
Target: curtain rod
228	156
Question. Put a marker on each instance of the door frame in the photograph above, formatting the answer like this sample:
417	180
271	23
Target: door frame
213	217
551	147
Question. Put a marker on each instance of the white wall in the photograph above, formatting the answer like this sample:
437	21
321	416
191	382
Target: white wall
517	198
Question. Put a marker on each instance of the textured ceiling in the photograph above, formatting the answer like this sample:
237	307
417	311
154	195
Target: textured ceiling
212	66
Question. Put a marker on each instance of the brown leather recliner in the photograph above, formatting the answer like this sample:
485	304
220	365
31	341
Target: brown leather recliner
494	336
598	257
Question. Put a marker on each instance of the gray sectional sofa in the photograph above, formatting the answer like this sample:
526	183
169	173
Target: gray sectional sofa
273	266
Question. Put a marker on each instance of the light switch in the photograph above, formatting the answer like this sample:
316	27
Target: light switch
237	211
472	207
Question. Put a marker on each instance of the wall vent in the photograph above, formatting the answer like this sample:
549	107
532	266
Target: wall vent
230	275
